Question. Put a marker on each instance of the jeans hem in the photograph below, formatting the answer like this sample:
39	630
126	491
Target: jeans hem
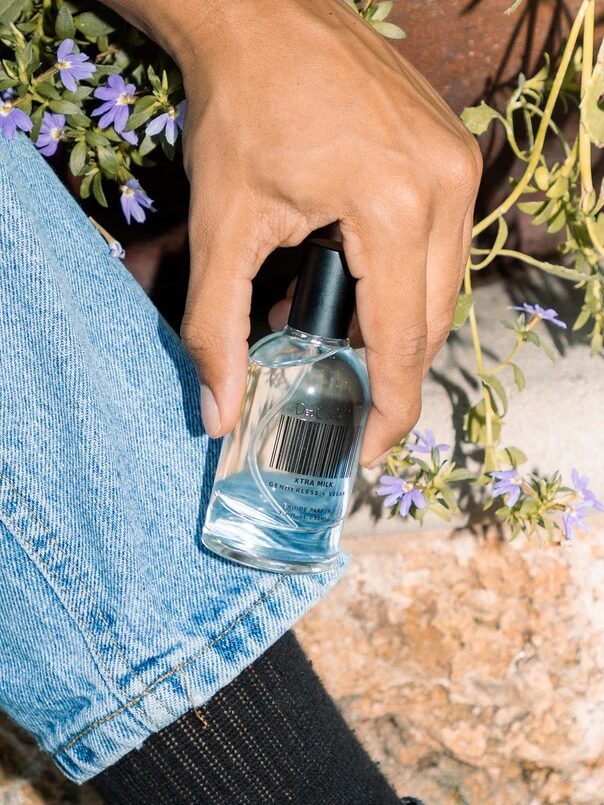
108	738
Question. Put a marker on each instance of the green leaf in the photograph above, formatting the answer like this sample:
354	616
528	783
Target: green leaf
542	177
533	338
37	118
556	224
97	189
550	210
582	319
91	25
516	4
154	79
64	27
440	511
48	90
478	118
460	475
388	29
144	109
548	351
449	498
497	386
596	343
475	424
519	377
10	10
77	158
531	207
108	161
592	113
85	185
559	188
381	10
146	146
420	463
63	107
513	456
462	310
95	138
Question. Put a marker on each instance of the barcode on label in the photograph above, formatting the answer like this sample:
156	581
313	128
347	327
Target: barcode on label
321	449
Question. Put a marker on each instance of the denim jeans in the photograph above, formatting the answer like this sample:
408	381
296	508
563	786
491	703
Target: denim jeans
114	619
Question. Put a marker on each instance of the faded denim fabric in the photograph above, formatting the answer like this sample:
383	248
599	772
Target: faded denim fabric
114	620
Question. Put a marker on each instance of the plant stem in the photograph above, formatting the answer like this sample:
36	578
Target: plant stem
544	125
584	140
519	342
489	448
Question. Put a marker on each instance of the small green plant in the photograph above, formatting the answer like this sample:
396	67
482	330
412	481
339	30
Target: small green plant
76	77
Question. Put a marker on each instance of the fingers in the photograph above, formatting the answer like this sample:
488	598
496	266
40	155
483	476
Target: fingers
390	265
444	274
226	252
448	253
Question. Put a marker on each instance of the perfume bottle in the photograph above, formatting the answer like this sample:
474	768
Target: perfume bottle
286	471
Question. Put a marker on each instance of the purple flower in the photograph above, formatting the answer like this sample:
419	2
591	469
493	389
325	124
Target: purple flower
509	483
118	97
541	313
117	250
73	66
395	489
425	444
12	118
169	122
51	131
572	518
135	201
8	94
581	484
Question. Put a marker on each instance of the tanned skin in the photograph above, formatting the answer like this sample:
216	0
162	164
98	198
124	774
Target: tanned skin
298	115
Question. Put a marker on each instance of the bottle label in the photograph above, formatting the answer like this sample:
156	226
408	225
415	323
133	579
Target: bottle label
311	447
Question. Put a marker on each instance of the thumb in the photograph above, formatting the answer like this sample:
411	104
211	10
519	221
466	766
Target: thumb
225	255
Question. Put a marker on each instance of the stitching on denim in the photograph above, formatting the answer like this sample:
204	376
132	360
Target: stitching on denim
49	248
177	668
83	589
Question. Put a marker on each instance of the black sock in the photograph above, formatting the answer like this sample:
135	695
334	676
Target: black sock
272	736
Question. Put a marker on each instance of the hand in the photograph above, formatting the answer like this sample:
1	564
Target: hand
299	114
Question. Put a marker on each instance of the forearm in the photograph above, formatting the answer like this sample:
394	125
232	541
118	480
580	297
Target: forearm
174	24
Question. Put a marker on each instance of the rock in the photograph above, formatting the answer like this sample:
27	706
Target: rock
470	667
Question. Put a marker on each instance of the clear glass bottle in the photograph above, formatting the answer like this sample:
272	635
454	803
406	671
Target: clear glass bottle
286	472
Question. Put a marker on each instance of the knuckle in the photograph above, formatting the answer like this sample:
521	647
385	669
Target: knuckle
463	166
202	342
413	200
439	329
412	346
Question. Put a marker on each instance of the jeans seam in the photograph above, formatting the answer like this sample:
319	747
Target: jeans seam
176	668
71	614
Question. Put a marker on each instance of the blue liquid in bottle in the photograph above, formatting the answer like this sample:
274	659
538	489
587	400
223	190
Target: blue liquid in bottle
286	472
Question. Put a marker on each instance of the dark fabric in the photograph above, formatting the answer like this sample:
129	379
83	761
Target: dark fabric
272	736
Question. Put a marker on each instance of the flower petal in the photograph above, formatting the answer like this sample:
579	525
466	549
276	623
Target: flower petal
68	80
405	504
64	49
513	495
157	125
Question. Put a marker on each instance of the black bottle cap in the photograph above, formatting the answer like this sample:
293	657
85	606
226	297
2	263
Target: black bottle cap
323	301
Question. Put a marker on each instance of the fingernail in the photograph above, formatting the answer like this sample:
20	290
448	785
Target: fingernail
209	412
377	461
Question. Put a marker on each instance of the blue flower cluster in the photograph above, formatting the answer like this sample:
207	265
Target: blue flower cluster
117	99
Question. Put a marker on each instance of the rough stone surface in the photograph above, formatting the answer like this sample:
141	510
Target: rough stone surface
471	668
468	47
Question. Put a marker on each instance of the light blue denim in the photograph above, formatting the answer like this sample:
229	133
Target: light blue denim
114	619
